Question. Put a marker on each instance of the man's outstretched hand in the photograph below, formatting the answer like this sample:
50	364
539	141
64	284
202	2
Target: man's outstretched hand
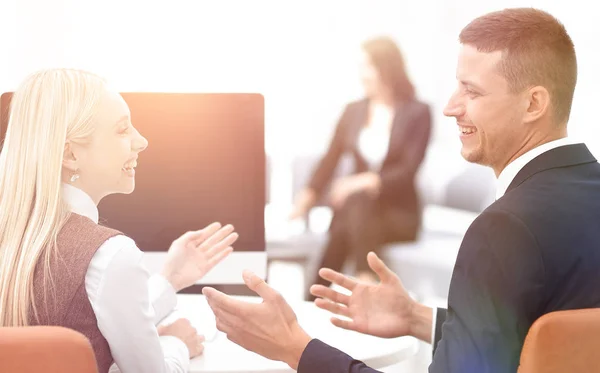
384	309
269	328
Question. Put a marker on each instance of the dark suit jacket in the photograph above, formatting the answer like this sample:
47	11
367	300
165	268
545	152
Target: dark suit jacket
409	138
536	250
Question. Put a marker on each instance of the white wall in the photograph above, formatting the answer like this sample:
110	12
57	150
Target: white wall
299	54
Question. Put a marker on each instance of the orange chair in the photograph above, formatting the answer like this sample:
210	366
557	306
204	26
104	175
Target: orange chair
563	341
47	349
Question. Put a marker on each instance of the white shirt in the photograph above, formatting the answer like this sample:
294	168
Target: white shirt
128	302
373	144
507	176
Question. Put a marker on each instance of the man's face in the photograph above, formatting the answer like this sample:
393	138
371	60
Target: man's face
488	115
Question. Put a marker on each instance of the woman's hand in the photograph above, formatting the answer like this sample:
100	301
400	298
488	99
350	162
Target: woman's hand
304	201
183	330
344	187
192	255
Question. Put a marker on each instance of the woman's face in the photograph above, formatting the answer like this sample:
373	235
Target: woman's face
106	164
369	76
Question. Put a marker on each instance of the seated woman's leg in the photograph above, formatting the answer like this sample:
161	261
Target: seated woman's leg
382	224
340	245
334	253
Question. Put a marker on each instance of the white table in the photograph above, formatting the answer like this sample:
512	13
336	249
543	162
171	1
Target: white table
222	356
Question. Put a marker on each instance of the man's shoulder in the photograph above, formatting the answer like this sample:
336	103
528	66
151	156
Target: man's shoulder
553	207
553	194
524	210
497	219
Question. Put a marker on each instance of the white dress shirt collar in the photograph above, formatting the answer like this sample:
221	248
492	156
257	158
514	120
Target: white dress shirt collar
80	202
510	172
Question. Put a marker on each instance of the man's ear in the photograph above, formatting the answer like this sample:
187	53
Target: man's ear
538	103
69	158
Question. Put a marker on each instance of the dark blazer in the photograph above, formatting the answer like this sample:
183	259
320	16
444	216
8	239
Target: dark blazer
409	138
535	250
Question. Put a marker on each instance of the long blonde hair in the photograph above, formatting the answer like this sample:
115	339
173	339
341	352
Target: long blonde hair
50	108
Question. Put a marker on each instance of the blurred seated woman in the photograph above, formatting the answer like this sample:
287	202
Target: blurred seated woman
387	133
70	142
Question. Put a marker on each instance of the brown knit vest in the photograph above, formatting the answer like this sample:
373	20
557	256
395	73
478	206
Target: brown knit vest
68	304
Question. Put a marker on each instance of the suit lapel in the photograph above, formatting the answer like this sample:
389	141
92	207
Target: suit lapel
563	156
403	112
359	119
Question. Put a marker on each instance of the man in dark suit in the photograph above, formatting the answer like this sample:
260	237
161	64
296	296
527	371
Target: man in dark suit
533	251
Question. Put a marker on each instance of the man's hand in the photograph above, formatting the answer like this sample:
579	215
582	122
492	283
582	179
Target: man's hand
192	255
383	310
183	330
269	328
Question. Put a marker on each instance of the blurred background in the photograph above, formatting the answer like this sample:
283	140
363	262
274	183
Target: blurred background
304	57
301	55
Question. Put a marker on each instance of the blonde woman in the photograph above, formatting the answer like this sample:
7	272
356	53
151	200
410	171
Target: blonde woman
70	142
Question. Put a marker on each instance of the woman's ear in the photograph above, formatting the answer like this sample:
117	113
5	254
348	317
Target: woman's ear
69	159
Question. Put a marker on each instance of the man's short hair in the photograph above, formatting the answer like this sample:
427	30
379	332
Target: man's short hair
536	51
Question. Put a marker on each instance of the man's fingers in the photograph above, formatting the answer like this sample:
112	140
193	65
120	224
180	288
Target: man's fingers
328	293
332	307
229	312
223	326
227	320
344	324
222	302
258	285
385	274
337	278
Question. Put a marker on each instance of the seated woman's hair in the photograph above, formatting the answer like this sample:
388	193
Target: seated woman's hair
50	108
387	59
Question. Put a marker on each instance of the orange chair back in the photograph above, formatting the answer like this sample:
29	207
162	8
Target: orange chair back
47	349
563	341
